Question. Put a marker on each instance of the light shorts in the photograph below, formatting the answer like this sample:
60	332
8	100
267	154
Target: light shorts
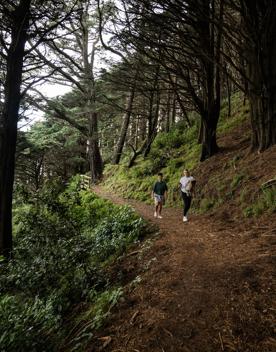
158	199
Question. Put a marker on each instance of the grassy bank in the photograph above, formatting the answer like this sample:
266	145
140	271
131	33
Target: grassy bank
227	177
170	153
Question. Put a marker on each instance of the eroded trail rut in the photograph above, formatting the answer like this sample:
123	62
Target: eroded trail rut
200	283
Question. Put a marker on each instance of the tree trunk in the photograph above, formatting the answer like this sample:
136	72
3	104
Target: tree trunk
229	94
168	113
152	134
153	114
260	19
263	120
174	110
136	153
131	133
210	109
209	145
121	142
9	121
177	99
95	159
200	132
142	128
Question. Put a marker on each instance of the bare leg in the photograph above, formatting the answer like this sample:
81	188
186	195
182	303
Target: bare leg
160	208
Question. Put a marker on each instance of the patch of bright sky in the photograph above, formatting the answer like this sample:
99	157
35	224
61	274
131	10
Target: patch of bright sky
52	89
34	115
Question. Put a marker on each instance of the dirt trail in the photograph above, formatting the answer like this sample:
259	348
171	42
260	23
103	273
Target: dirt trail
204	287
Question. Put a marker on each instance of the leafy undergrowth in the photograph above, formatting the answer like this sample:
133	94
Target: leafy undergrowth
170	153
65	240
232	176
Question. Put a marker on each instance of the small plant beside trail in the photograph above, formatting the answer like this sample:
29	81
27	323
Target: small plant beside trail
64	240
264	201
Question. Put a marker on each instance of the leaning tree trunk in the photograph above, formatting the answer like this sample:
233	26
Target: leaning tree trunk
153	132
126	120
153	114
260	19
177	99
9	121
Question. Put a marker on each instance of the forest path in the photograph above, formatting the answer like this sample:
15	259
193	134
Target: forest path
198	281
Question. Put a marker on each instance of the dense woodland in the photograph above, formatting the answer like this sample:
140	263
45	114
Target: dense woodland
138	71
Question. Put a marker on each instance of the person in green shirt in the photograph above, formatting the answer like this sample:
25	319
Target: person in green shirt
159	194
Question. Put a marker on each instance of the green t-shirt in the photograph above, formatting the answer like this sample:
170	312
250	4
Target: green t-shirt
160	188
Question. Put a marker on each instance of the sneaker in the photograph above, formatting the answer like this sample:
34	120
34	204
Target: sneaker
185	219
155	214
160	217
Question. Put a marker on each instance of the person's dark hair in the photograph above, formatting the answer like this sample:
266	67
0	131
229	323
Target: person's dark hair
160	174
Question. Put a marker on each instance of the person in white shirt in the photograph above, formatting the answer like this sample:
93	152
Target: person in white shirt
187	186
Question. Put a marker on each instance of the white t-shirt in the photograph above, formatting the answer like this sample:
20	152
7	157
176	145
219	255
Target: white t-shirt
184	182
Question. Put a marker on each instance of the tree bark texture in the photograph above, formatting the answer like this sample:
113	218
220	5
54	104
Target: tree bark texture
260	26
95	159
152	131
124	129
209	145
9	121
209	107
153	115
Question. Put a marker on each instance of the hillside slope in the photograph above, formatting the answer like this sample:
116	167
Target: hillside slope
228	183
205	286
196	287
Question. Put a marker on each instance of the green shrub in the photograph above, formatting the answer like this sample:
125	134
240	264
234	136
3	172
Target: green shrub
64	238
244	195
50	252
237	180
239	114
248	212
269	198
28	326
206	204
176	164
93	318
266	201
102	305
115	233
